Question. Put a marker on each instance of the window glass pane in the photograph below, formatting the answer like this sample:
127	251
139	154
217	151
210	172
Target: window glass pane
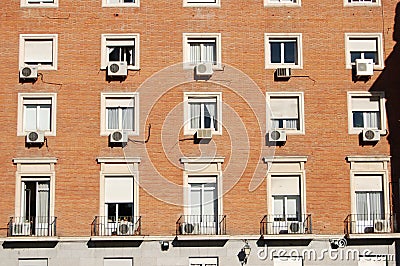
112	211
290	52
361	205
195	199
371	55
127	118
125	211
376	205
114	54
275	52
129	1
194	109
209	200
293	208
372	120
112	118
354	56
30	117
358	119
210	115
278	207
194	56
209	53
44	117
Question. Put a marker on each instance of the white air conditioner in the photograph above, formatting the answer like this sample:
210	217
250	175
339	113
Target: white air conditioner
125	228
371	135
118	137
28	72
190	228
295	227
283	72
204	69
204	133
381	226
35	137
118	69
277	135
21	229
364	67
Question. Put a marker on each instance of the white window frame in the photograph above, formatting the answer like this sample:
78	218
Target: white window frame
34	169
103	116
382	109
285	3
300	96
34	261
369	165
105	38
361	3
203	261
119	167
201	95
38	96
286	166
24	37
39	3
282	36
206	36
376	36
201	3
135	4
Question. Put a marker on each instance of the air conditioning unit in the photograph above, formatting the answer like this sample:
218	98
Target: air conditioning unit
119	137
371	135
35	137
125	228
364	67
204	69
283	72
117	69
381	226
21	229
277	135
204	133
190	229
295	227
28	72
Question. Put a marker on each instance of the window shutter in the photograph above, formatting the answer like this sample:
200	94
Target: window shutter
38	51
365	104
118	189
285	185
362	45
284	107
120	102
121	42
368	183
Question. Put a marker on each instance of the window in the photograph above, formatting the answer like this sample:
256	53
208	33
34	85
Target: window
39	3
369	194
121	3
203	261
119	196
119	111
37	112
282	3
361	2
283	50
35	186
118	262
38	50
201	48
288	261
201	3
202	110
286	195
286	112
32	262
120	48
366	110
364	46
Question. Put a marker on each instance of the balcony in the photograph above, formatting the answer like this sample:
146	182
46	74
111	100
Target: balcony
32	226
116	226
285	224
201	225
369	224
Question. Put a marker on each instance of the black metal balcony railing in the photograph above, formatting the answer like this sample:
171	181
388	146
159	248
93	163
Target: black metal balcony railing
368	223
116	226
32	226
201	225
286	224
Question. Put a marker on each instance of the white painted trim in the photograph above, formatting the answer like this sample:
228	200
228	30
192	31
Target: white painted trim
24	3
361	4
202	159
136	4
186	3
53	37
267	3
35	160
377	36
118	159
298	36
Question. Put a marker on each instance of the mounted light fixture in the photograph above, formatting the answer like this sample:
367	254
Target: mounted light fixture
244	253
164	245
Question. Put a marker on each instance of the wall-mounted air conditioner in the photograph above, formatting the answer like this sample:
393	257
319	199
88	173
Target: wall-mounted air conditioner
277	135
35	137
118	136
117	69
205	133
189	228
28	72
294	227
372	135
364	67
283	72
125	228
381	226
204	69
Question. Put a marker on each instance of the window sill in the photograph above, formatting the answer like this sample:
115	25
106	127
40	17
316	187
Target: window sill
202	5
121	5
46	134
361	4
269	66
353	131
39	5
108	132
191	132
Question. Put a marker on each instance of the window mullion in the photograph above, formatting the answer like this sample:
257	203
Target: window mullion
202	113
38	117
119	118
282	52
